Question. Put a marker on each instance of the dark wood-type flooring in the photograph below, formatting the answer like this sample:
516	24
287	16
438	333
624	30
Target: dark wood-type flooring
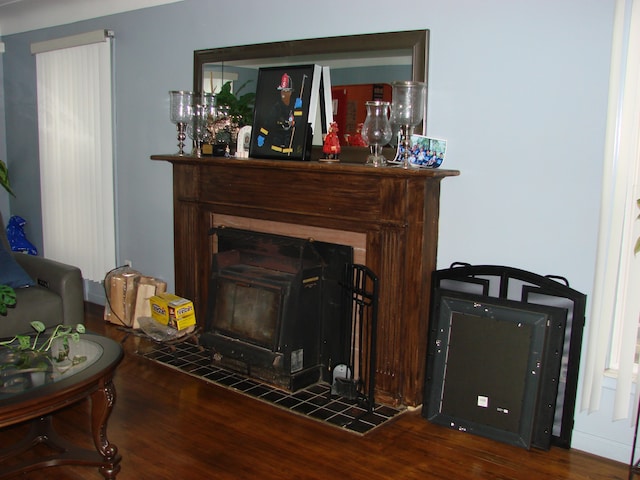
168	425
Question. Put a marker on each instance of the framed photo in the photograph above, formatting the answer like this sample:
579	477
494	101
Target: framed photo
425	152
281	118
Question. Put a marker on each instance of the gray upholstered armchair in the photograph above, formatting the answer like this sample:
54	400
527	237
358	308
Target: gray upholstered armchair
56	298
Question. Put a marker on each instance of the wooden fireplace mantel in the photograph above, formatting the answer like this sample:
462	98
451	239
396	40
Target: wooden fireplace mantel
394	210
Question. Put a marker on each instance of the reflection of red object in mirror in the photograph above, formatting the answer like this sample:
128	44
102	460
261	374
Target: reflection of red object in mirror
349	103
356	139
331	146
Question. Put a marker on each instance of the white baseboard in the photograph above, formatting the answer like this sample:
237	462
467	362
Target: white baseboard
602	447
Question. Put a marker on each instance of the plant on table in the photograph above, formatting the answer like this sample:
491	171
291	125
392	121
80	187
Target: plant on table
35	347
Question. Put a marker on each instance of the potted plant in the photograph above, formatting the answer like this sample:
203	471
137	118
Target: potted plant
239	107
25	359
233	112
7	298
7	294
4	178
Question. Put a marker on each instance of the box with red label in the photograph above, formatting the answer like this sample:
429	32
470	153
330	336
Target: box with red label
172	310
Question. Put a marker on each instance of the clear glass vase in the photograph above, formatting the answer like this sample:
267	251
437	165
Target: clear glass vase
407	111
197	128
377	131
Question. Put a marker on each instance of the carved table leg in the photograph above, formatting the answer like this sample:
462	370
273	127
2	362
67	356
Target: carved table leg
102	402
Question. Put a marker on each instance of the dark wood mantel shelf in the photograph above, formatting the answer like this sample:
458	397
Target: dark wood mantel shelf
394	210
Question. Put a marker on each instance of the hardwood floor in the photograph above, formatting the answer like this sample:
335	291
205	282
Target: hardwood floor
168	425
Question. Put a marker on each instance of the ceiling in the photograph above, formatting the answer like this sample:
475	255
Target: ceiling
18	16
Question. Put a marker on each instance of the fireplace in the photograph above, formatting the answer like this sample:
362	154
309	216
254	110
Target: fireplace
276	308
389	216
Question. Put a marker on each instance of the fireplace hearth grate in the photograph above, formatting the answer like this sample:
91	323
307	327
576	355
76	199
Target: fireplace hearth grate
313	401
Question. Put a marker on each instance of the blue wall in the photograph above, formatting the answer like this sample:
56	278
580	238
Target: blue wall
518	88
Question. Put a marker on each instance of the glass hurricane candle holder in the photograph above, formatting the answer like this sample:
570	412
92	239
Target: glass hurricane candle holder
180	113
407	111
197	128
377	131
208	102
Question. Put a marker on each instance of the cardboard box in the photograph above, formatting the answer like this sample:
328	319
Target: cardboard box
122	297
147	288
172	310
128	294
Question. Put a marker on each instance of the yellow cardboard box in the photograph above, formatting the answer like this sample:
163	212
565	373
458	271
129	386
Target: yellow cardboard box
172	310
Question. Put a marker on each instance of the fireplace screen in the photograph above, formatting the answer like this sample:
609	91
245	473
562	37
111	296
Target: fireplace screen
493	285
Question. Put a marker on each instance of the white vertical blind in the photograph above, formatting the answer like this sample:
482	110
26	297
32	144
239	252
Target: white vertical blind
76	156
616	300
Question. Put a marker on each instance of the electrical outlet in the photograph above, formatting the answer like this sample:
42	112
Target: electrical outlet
129	263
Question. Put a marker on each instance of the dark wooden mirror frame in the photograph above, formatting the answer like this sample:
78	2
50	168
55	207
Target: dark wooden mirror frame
416	40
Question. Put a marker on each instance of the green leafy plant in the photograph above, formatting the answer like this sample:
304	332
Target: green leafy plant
7	298
4	178
36	344
636	249
240	106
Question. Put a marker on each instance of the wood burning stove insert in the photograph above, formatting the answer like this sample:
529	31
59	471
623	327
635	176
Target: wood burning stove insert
276	311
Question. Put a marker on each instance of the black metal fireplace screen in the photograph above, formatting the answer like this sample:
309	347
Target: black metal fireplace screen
503	354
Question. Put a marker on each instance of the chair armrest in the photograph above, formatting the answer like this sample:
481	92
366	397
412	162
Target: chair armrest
63	279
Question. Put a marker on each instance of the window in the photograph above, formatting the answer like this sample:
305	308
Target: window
75	131
615	311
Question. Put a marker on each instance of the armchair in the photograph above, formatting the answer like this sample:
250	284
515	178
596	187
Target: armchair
56	298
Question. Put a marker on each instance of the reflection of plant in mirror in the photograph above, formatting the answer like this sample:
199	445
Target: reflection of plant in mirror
240	106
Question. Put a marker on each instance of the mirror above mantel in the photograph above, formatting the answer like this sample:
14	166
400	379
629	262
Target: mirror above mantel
368	59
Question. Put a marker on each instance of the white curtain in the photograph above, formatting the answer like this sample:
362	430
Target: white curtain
615	309
74	88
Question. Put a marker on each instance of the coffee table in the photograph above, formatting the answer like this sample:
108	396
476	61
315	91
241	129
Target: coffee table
36	397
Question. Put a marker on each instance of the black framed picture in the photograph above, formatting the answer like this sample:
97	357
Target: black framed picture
281	122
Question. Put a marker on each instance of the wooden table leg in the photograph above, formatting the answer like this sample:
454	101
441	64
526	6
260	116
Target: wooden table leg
102	402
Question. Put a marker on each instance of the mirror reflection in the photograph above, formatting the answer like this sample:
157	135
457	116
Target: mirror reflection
362	69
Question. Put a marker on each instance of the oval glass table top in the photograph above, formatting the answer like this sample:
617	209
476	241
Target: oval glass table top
27	372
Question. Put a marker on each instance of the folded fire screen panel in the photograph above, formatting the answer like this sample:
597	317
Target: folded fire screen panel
517	290
491	360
